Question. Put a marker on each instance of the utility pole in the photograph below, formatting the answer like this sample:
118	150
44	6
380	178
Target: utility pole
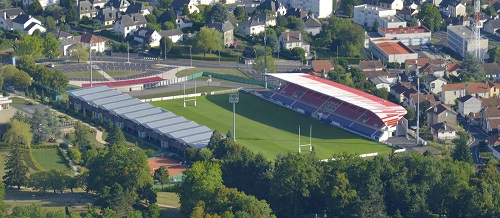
265	57
90	59
165	51
128	53
190	56
418	109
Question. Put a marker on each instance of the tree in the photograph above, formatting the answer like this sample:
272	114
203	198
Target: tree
208	39
218	13
26	63
296	23
33	210
5	4
185	9
348	6
341	35
410	114
494	54
79	53
50	23
161	174
51	47
59	81
470	70
39	126
259	64
375	26
167	25
15	77
165	3
239	13
81	131
431	17
272	40
166	45
490	11
35	8
298	53
461	151
42	97
3	207
31	45
115	137
15	169
18	134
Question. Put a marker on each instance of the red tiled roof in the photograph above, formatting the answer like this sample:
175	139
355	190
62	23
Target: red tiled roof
450	87
319	65
392	48
478	87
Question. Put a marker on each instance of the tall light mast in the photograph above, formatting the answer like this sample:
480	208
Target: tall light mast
475	38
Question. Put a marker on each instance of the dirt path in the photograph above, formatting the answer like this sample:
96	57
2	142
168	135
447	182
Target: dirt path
167	206
98	136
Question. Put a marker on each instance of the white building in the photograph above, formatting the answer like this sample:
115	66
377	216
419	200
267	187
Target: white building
320	8
27	24
129	23
4	102
183	21
365	15
391	22
43	3
392	4
6	17
252	26
147	36
390	51
176	35
410	36
459	41
95	43
292	39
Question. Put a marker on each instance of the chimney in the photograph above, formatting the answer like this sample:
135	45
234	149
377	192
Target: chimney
300	36
444	126
287	37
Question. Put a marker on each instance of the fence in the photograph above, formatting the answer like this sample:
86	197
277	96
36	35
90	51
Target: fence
238	79
190	95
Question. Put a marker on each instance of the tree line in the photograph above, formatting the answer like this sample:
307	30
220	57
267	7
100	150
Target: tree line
400	185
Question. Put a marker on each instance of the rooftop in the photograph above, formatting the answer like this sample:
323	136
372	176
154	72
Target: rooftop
392	48
451	87
405	30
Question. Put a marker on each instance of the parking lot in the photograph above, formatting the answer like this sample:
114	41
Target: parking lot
143	70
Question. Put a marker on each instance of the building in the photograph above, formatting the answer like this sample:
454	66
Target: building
128	24
494	142
479	90
492	26
272	5
443	131
58	34
391	51
107	16
147	36
459	41
399	89
410	36
450	92
456	9
492	70
86	9
468	104
227	30
457	21
178	6
67	45
6	17
391	22
320	8
441	113
137	7
176	35
295	12
120	5
365	15
407	13
291	39
434	84
490	102
252	26
183	21
490	119
43	3
321	68
95	43
392	4
313	25
375	65
27	24
412	99
4	102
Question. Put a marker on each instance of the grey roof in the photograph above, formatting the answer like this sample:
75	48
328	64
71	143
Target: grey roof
85	7
11	12
66	41
30	26
137	7
493	23
132	19
161	121
254	21
144	32
178	4
311	22
23	18
172	32
118	4
271	5
60	34
491	68
221	26
108	14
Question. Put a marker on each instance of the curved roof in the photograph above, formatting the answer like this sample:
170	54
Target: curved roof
390	113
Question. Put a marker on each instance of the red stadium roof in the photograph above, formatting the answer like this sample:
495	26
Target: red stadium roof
126	82
387	111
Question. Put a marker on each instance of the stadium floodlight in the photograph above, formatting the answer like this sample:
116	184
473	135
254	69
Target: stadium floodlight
233	99
189	99
310	140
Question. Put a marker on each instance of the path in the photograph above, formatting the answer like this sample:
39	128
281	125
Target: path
167	206
98	136
100	71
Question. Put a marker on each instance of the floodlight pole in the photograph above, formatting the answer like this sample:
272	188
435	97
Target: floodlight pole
418	109
90	59
128	53
190	55
234	98
265	58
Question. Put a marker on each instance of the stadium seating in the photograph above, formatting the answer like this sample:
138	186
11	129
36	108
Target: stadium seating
307	108
351	112
364	130
267	94
294	91
313	98
343	121
377	135
283	99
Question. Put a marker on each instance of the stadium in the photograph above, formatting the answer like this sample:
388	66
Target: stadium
339	105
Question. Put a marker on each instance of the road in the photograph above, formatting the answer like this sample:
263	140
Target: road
477	135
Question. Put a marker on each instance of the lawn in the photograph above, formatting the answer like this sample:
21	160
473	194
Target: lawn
191	71
3	153
50	159
84	74
201	89
19	102
168	198
49	201
268	128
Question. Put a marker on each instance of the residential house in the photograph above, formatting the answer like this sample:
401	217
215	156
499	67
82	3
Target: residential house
86	9
313	25
457	21
95	43
380	83
183	21
468	104
227	30
492	26
450	92
176	35
270	19
138	7
252	26
272	5
452	69
58	34
407	13
120	5
434	84
128	24
411	100
178	6
440	113
496	6
392	4
494	142
375	65
295	12
67	45
321	68
107	16
490	102
456	9
443	131
99	4
479	90
400	88
320	8
414	64
291	39
492	70
6	17
43	3
147	36
490	119
27	24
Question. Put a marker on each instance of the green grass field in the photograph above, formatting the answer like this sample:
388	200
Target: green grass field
191	71
201	89
50	159
268	128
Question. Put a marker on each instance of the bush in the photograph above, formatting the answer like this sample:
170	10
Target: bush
150	153
63	145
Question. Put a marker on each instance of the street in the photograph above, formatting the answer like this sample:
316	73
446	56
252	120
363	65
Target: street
477	136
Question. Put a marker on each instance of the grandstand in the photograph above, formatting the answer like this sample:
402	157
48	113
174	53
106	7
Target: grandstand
153	124
339	105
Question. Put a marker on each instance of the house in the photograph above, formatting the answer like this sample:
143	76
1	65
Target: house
99	4
407	13
120	5
6	17
27	24
410	36
227	30
491	26
252	26
468	104
450	92
392	4
400	88
147	36
291	39
95	43
493	143
58	34
490	119
490	102
268	18
492	70
391	51
321	68
183	21
411	100
313	25
380	83
295	12
452	69
319	8
176	35
138	7
43	3
434	84
107	16
375	65
129	23
414	64
86	9
457	21
4	102
478	90
272	5
178	6
443	131
67	45
455	9
440	113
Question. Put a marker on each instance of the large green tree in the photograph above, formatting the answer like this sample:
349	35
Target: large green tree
115	136
3	207
79	53
461	151
208	39
218	13
31	45
51	47
15	77
470	70
494	54
341	34
15	169
431	17
161	174
166	45
259	64
18	134
35	8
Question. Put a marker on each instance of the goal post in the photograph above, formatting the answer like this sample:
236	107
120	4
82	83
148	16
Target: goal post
190	98
310	140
